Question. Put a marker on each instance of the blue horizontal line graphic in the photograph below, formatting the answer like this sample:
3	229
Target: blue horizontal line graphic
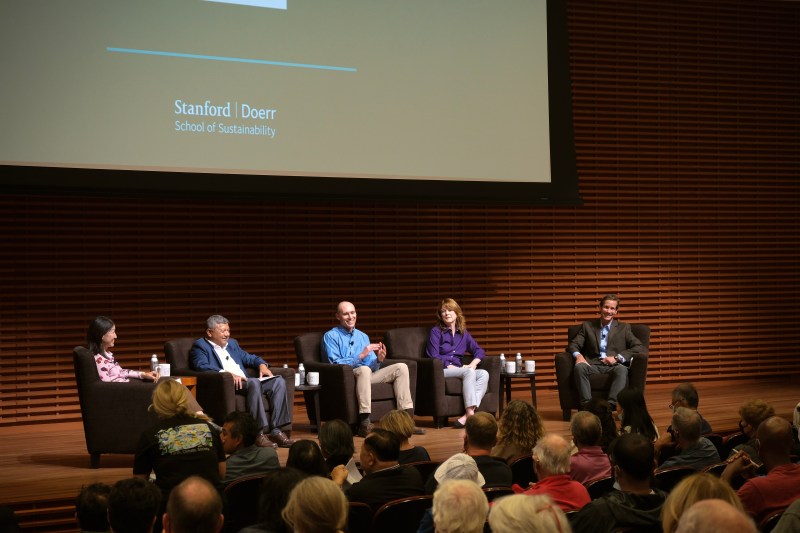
230	59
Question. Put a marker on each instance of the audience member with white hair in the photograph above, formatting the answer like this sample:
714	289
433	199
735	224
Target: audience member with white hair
551	461
532	514
459	506
714	516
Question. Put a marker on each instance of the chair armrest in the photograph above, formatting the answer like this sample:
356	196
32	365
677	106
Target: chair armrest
565	365
216	393
637	372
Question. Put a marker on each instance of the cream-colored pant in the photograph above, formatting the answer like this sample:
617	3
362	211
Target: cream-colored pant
397	374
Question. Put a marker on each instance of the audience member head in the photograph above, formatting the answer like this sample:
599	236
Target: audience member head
316	505
400	423
685	395
586	429
459	506
170	398
273	495
239	430
520	425
692	489
532	514
635	414
99	328
451	305
336	441
91	507
752	413
194	506
605	413
480	433
459	466
551	456
133	504
634	459
686	425
774	441
306	456
714	516
380	450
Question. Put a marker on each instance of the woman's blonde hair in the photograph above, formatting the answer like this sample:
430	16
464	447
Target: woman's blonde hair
398	422
451	305
316	505
520	425
700	486
171	398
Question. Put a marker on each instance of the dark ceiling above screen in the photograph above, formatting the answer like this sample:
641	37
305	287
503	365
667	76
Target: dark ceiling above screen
304	99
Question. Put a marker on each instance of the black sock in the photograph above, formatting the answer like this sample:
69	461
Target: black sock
364	418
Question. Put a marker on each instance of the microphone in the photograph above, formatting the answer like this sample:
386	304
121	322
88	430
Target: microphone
352	343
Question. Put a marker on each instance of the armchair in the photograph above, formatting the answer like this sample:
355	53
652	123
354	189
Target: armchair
215	390
338	393
439	397
565	363
114	414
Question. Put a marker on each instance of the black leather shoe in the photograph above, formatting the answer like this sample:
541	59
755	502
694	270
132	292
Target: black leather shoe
458	425
280	439
418	431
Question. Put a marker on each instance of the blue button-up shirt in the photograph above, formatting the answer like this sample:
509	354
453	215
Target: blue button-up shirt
342	348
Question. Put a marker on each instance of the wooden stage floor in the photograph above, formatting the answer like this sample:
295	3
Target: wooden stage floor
44	466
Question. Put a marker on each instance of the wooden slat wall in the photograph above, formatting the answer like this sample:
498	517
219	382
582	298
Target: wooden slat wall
686	121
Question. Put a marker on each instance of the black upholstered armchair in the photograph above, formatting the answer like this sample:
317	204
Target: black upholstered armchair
114	414
215	391
436	396
565	363
338	393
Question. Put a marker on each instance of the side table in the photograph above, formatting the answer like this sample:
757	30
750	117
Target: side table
505	385
314	390
190	382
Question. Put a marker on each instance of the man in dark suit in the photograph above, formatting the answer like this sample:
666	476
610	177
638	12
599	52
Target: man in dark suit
604	346
384	478
217	352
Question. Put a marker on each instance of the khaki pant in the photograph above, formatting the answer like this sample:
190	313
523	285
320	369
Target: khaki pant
396	374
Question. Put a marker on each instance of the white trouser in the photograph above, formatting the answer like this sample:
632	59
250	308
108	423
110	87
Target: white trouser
473	383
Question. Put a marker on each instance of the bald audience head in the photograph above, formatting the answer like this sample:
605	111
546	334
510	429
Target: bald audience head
551	456
775	441
715	516
194	506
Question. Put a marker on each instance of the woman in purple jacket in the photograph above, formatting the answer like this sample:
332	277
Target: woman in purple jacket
448	342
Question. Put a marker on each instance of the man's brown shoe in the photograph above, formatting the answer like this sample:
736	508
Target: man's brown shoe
263	441
280	439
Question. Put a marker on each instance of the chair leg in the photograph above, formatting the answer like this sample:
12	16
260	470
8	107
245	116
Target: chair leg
566	414
441	420
94	460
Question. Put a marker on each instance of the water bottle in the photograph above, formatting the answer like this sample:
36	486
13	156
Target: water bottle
502	362
519	362
153	363
302	371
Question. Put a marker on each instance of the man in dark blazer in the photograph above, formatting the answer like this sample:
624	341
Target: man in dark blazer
217	352
604	346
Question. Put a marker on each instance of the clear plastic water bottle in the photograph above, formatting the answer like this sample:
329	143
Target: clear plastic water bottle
302	371
502	362
519	363
153	363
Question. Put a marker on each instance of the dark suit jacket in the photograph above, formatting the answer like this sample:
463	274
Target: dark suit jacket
386	485
205	358
621	341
